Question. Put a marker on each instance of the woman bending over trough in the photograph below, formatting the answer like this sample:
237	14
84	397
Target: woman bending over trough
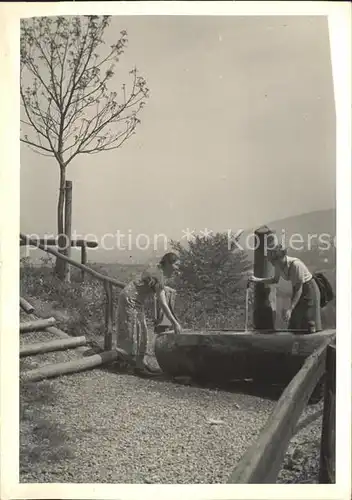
131	319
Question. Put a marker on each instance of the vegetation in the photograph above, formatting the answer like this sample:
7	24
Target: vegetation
211	283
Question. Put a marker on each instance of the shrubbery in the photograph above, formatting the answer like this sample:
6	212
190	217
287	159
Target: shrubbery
211	284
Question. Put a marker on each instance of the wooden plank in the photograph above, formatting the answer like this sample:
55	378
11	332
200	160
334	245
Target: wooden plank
327	448
54	242
75	366
60	333
87	269
68	227
261	463
109	312
51	346
26	306
84	259
39	324
263	313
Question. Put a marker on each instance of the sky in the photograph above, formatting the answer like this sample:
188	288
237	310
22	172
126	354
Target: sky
239	130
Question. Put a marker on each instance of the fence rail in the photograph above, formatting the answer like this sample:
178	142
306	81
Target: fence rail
108	284
262	462
88	270
55	242
327	449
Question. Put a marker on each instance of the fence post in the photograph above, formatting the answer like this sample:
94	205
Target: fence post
327	444
68	227
109	312
263	314
83	258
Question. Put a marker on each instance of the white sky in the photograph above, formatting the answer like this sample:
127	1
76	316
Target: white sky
239	130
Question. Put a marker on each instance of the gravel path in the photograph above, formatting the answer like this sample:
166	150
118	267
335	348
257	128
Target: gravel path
107	427
124	429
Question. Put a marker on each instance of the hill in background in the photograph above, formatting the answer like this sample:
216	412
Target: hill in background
307	225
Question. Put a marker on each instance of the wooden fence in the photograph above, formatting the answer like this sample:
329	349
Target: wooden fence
327	449
262	462
107	281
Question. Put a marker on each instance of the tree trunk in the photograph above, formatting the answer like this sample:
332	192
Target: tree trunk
60	268
68	227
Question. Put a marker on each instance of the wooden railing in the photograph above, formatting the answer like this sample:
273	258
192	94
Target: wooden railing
327	448
262	462
108	284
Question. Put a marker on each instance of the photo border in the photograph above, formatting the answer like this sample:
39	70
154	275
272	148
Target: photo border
339	18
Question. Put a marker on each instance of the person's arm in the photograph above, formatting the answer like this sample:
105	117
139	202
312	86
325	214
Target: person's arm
296	276
161	296
273	280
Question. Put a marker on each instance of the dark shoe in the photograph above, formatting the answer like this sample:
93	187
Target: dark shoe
141	372
145	372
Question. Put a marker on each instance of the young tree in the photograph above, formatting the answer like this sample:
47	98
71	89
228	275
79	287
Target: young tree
67	107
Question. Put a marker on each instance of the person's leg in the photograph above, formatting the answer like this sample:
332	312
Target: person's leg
314	311
142	340
160	318
126	325
294	323
306	316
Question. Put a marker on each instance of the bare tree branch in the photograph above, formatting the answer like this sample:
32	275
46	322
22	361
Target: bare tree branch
64	82
35	145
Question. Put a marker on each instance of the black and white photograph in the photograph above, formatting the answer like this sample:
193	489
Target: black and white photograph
177	265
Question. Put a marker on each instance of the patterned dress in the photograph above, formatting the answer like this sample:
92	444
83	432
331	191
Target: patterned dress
131	335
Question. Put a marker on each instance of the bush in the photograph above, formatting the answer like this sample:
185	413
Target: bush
211	283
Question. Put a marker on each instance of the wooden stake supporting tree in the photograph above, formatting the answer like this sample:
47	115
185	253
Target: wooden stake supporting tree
67	106
83	259
68	229
263	313
109	314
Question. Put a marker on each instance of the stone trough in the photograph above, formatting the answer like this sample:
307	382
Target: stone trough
266	357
